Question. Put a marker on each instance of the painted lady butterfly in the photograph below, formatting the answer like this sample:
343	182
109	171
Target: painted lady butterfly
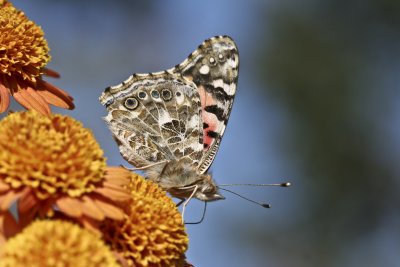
170	123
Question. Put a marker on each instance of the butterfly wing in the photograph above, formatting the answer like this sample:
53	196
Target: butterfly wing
155	117
213	67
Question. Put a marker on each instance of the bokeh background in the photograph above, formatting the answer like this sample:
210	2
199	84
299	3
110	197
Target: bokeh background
318	104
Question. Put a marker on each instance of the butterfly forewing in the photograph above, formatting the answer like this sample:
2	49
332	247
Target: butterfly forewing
213	67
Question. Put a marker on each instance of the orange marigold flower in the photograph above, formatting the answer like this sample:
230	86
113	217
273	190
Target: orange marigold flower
53	164
151	233
56	243
24	54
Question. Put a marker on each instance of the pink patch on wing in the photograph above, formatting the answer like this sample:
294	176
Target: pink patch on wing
210	119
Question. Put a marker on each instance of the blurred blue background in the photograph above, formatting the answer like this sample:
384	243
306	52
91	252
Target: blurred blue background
317	105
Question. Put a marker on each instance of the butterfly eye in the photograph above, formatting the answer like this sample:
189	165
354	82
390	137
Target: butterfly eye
142	95
221	57
166	94
155	94
131	103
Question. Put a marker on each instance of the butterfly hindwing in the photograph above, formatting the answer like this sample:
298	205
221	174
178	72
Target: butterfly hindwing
213	68
155	117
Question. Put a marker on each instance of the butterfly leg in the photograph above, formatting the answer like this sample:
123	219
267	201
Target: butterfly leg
145	167
187	201
181	200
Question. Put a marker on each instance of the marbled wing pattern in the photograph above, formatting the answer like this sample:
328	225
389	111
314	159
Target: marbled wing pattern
155	118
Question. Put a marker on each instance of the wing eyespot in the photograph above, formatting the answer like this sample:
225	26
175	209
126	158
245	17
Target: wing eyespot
155	94
166	94
142	95
221	57
131	103
212	61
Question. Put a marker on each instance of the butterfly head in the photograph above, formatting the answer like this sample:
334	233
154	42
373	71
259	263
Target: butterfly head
207	189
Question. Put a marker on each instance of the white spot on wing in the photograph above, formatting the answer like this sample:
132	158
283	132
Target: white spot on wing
194	121
230	89
164	117
179	98
232	63
204	69
218	83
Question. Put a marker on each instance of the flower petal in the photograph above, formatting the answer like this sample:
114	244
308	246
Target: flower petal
53	99
4	98
3	187
113	192
89	223
109	210
70	206
8	224
51	73
27	202
8	199
32	100
40	102
92	210
113	170
43	85
118	176
119	181
25	218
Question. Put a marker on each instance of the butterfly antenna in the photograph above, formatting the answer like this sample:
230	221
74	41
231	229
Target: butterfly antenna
202	217
280	184
264	205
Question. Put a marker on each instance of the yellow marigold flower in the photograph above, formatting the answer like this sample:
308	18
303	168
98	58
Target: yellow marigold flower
52	163
56	243
151	233
24	54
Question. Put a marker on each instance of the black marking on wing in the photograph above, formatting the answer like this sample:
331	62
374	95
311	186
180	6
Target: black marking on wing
212	134
219	93
217	111
205	80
